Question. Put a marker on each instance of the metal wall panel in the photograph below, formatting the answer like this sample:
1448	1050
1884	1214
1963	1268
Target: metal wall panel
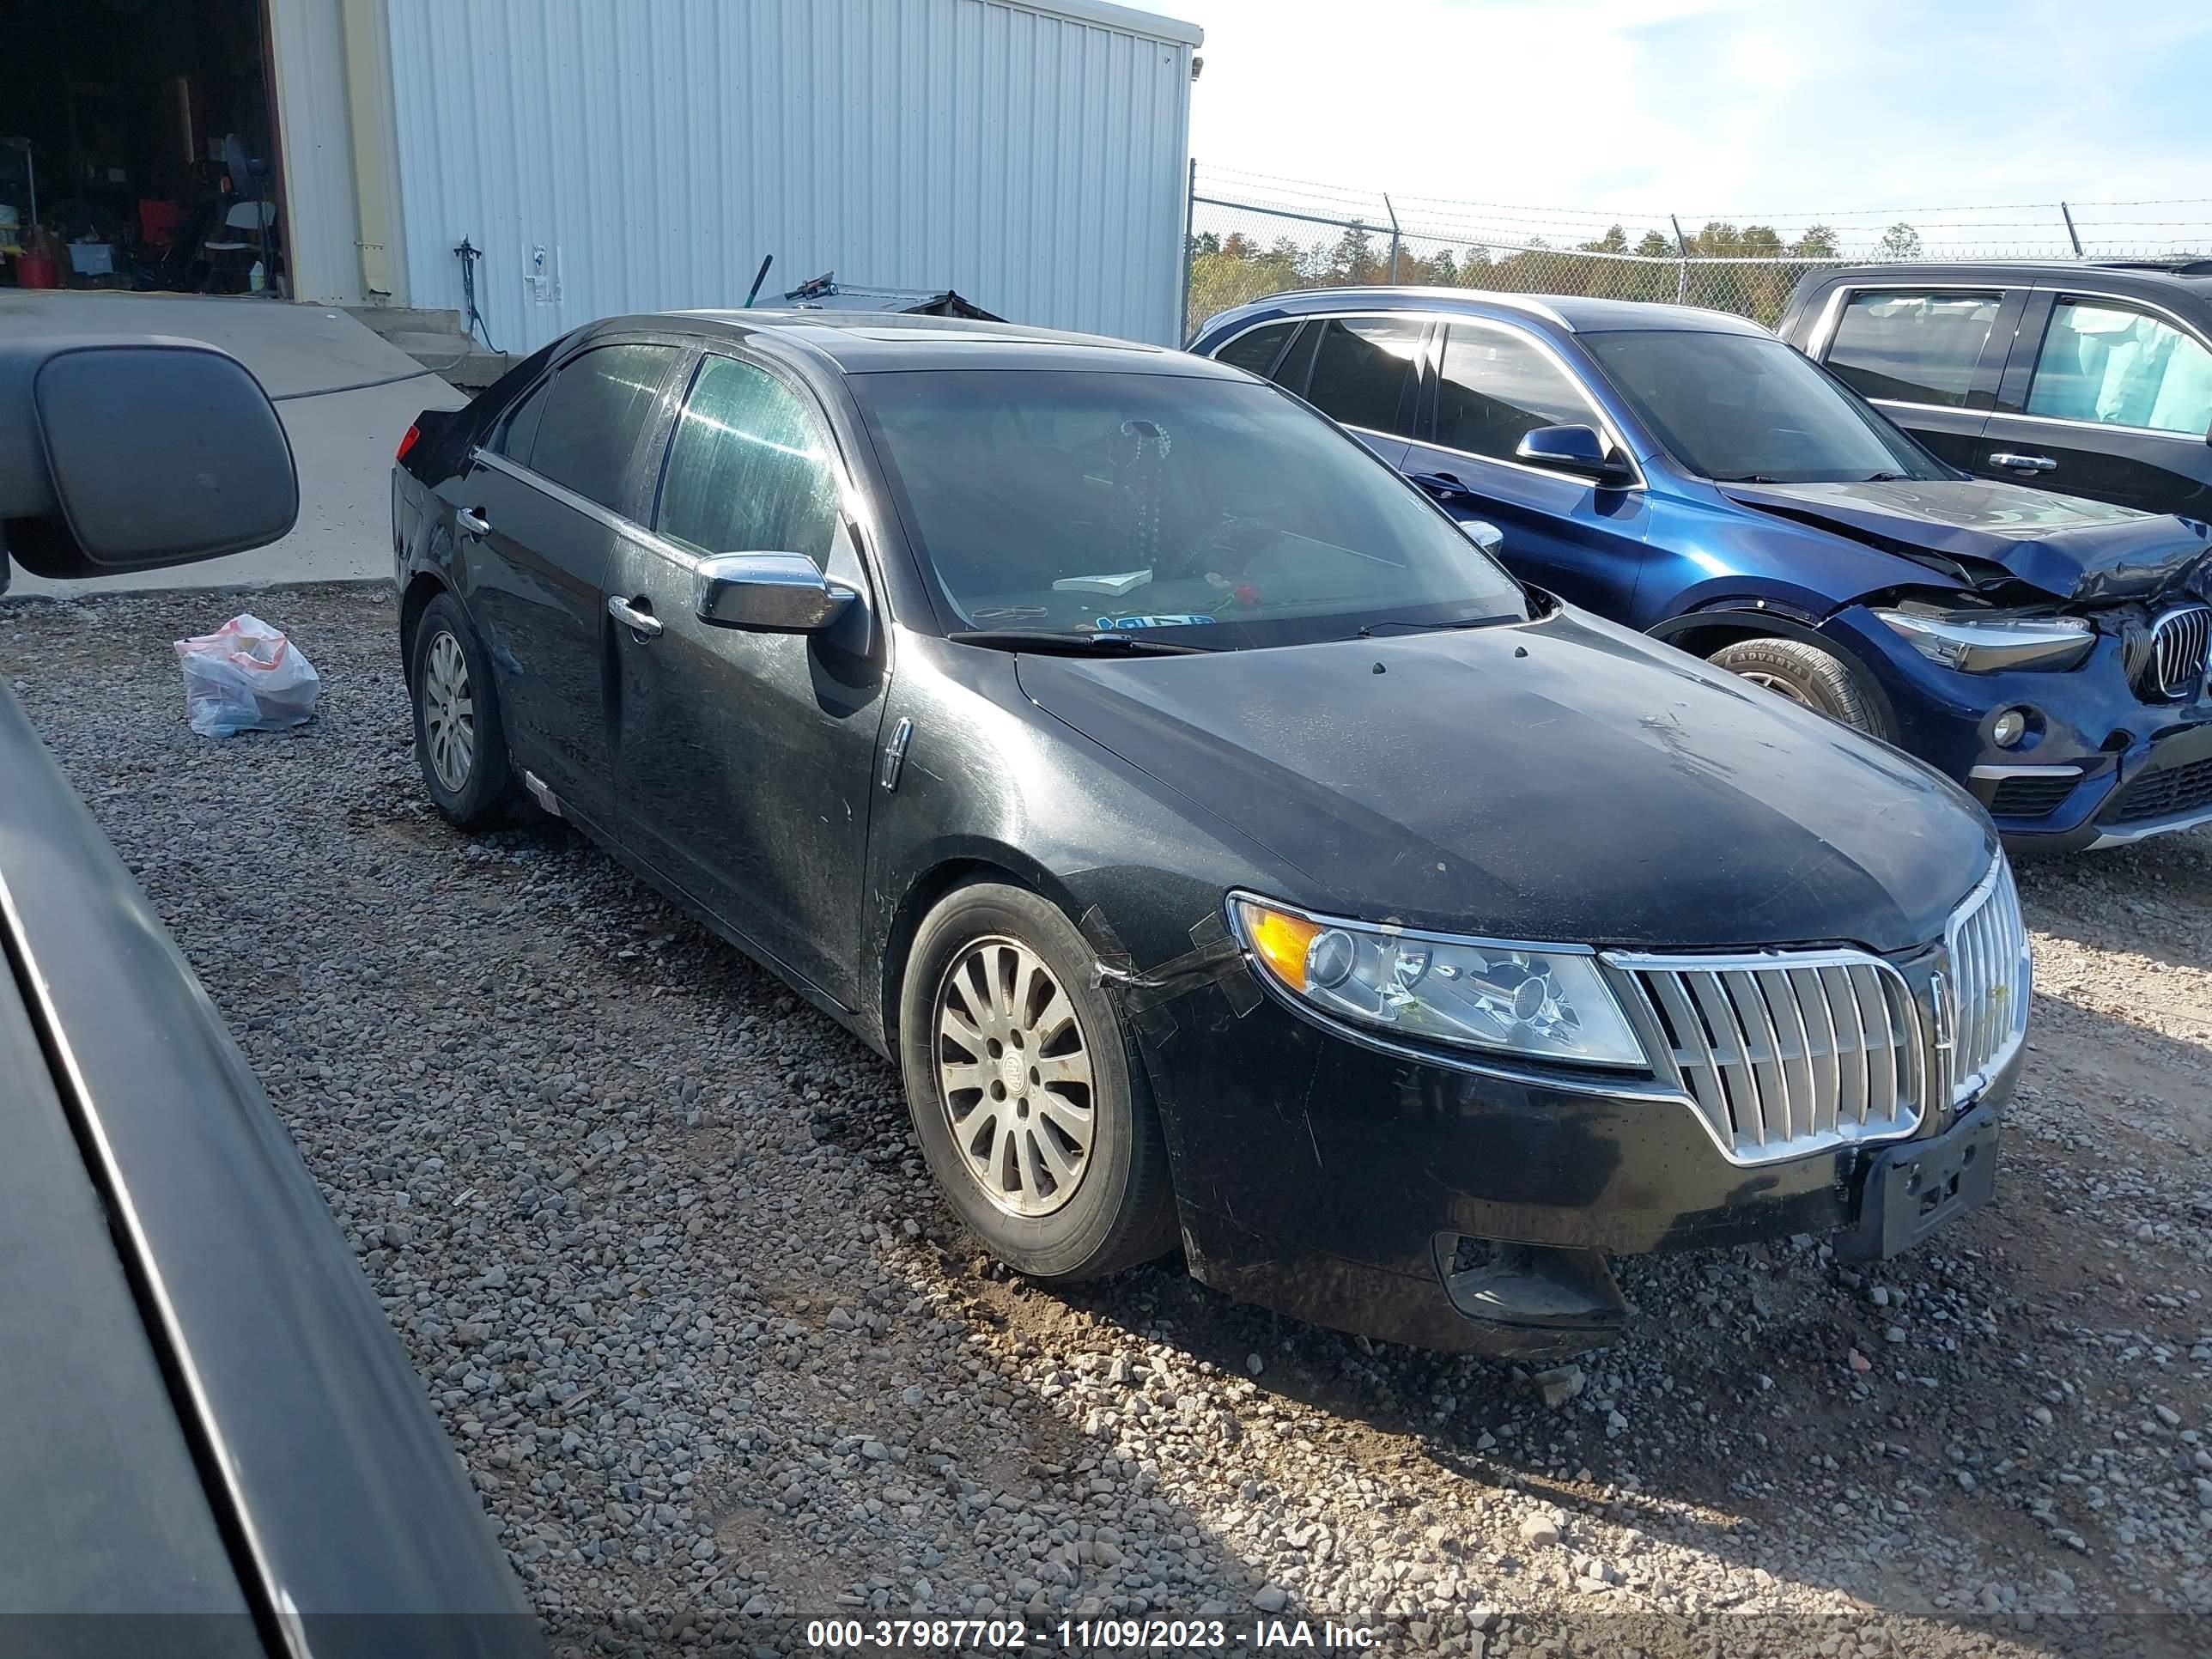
308	65
1031	155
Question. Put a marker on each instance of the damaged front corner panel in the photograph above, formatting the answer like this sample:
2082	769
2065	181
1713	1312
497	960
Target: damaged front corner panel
1215	957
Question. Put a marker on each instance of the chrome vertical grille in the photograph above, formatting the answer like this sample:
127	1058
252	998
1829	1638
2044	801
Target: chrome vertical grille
1786	1052
1988	984
2179	642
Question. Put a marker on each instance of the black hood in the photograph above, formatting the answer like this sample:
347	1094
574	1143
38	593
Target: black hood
2090	552
1562	781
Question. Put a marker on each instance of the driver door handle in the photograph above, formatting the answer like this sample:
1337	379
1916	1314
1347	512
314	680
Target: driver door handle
643	623
1441	483
2024	462
472	520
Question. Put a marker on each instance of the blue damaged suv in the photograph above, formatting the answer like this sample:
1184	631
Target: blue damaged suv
1687	473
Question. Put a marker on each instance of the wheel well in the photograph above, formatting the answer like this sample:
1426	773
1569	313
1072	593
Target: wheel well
920	900
1704	636
412	604
1701	634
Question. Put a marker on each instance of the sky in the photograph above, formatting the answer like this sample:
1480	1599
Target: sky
1785	113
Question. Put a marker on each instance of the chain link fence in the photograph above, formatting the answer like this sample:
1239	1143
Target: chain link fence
1250	237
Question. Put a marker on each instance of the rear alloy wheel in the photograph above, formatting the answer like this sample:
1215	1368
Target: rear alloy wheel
449	720
1026	1094
458	738
1809	677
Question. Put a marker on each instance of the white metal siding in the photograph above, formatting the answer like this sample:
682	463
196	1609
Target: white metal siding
1029	155
315	137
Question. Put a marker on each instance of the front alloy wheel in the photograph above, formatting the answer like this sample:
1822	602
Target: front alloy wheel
1014	1077
1027	1095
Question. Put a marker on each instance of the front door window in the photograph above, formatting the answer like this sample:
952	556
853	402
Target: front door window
749	468
2114	366
1497	386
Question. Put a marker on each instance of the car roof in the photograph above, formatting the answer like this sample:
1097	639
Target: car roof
2191	275
861	343
1574	313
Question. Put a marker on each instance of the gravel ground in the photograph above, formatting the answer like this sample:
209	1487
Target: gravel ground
718	1361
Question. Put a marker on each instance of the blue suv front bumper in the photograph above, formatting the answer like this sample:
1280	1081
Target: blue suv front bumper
2099	767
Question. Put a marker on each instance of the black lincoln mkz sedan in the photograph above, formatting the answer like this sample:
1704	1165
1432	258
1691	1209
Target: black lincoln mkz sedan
1227	851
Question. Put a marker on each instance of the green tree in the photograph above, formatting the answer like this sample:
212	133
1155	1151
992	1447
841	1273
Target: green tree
1236	270
1352	262
1900	241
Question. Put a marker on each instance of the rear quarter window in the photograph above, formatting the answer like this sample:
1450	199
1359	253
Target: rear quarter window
1255	351
513	432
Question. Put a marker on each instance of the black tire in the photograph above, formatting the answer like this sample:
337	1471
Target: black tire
1119	1210
479	794
1806	674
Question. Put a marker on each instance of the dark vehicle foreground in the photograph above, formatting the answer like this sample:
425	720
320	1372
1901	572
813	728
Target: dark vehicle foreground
1225	848
2091	379
211	1441
1684	472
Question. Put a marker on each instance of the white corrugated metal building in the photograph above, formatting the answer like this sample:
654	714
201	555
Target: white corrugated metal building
604	155
611	155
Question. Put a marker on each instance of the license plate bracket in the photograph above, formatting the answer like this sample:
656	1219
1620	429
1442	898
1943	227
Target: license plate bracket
1914	1188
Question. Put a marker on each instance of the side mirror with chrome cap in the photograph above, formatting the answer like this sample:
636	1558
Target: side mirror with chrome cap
768	593
1575	449
1484	535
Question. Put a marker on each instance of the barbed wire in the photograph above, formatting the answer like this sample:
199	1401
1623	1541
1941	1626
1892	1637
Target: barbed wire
2065	230
1659	216
1247	243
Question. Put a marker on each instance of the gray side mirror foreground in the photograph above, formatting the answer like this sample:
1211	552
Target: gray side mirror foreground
130	453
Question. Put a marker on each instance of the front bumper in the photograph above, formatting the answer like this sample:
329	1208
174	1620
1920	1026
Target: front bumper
2081	780
1332	1181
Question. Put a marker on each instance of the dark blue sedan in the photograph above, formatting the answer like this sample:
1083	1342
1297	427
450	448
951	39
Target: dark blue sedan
1687	473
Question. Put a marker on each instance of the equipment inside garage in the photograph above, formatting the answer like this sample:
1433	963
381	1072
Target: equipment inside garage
136	149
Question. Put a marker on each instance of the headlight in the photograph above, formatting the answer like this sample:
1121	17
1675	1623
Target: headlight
1538	1001
1980	645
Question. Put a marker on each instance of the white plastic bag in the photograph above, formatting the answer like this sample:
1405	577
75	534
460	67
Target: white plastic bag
246	677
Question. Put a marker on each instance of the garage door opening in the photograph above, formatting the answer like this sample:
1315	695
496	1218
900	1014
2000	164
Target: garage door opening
137	150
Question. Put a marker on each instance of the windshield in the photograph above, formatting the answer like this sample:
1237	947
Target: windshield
1221	510
1741	409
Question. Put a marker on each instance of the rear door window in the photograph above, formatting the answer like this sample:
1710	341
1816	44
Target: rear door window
749	468
1362	372
594	409
1496	385
1915	346
2113	365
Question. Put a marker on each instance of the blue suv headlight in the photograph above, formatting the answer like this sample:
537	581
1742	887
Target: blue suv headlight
1980	644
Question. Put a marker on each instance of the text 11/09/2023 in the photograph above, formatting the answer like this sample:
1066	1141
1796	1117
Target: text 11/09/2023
1083	1635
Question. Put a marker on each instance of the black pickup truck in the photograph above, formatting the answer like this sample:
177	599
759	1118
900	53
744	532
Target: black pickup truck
211	1440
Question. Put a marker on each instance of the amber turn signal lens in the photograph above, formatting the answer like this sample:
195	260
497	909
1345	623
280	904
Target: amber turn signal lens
1280	942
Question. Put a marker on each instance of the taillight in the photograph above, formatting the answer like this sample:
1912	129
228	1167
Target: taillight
413	434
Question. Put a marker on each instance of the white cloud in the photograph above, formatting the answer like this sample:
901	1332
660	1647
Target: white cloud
1646	106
